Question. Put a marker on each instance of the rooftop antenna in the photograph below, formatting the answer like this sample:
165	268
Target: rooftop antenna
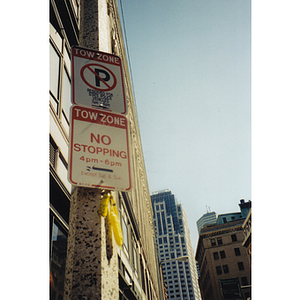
206	209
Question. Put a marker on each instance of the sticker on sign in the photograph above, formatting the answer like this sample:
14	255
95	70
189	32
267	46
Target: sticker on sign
99	151
97	80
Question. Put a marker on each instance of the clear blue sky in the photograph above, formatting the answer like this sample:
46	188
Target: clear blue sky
191	75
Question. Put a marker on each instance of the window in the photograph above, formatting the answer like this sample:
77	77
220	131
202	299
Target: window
58	252
222	254
213	242
219	240
241	266
237	251
134	253
233	237
66	94
224	220
225	269
219	270
125	233
53	152
54	72
60	79
159	224
216	255
244	280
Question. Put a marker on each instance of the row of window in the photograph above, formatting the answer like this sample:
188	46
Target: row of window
165	240
219	240
225	269
186	289
60	79
131	249
222	254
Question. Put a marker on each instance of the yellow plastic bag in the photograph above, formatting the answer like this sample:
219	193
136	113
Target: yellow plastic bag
115	222
104	204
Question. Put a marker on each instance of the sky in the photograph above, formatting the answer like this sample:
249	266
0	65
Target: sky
275	123
190	63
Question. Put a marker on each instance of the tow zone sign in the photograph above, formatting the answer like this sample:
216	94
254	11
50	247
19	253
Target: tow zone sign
98	150
97	80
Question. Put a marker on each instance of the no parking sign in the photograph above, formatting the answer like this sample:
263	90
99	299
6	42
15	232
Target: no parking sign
97	80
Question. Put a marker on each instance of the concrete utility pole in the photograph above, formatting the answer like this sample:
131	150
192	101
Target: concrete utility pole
91	268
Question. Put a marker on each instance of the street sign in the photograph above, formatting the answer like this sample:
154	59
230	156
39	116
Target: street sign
97	80
98	150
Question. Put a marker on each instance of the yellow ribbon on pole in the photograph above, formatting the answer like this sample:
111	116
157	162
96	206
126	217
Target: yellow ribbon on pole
108	208
103	210
115	222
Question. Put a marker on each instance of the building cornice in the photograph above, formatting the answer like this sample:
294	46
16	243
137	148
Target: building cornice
221	231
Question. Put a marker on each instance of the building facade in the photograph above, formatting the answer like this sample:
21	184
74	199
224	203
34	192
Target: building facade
133	272
208	218
248	233
174	241
223	260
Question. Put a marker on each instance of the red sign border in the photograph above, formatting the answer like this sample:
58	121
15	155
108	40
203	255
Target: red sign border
98	89
96	60
73	107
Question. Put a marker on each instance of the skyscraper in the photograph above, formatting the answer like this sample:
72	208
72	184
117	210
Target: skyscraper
208	218
174	245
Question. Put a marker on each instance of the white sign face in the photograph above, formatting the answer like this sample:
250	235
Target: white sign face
98	150
97	80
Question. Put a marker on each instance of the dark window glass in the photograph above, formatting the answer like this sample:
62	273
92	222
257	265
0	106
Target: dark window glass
237	251
225	269
219	270
219	240
58	260
222	254
244	280
233	237
241	266
216	255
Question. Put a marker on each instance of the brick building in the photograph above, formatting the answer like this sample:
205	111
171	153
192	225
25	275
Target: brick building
223	260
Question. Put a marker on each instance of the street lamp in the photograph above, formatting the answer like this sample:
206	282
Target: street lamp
181	258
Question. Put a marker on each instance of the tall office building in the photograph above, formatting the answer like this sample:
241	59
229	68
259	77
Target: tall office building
208	218
132	271
173	242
